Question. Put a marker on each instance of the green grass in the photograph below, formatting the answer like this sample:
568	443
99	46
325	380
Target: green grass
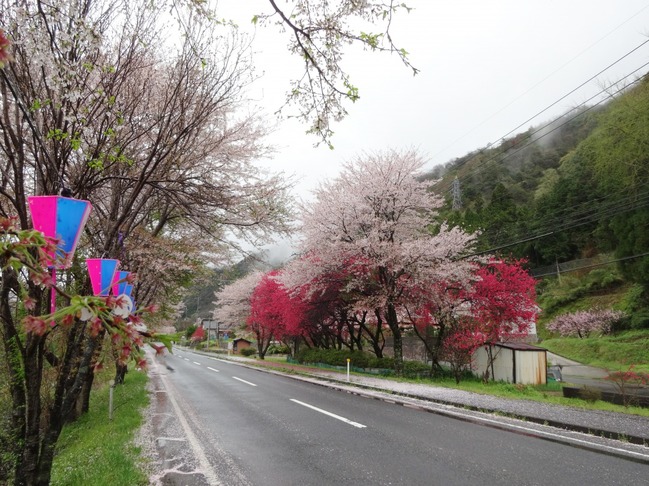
95	451
614	353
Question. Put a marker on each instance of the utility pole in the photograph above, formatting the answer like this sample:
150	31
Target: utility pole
457	195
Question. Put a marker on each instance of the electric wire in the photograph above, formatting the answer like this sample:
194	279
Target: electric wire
498	156
541	81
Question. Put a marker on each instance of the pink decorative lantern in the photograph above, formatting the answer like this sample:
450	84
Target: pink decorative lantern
102	274
120	285
62	218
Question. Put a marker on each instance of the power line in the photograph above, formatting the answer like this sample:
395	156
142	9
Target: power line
534	271
542	81
496	156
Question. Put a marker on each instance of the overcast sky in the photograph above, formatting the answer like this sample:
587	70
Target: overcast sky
487	66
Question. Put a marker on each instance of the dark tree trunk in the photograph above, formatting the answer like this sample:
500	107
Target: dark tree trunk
397	342
120	373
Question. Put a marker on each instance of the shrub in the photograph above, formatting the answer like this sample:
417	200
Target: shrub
415	369
278	349
337	357
248	351
624	380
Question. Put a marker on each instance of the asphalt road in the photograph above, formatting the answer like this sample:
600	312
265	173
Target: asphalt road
250	427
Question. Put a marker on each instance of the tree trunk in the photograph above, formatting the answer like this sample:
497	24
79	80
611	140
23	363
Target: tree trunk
120	373
397	343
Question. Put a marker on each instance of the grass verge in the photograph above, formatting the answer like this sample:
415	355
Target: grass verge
612	352
95	451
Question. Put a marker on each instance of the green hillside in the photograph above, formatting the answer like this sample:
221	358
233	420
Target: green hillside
570	195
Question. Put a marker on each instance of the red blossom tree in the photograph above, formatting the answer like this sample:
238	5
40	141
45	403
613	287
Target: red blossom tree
502	305
198	335
497	303
274	314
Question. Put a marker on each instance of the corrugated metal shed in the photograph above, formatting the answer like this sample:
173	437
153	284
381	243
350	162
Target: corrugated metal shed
513	363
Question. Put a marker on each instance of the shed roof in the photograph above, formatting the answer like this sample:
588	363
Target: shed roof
521	347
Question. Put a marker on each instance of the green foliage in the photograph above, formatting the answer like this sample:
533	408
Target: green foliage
248	351
95	451
635	303
558	296
278	349
190	330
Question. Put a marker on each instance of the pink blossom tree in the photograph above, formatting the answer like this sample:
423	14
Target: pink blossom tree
583	323
234	300
379	215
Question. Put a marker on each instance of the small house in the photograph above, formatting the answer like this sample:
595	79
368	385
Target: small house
513	362
236	345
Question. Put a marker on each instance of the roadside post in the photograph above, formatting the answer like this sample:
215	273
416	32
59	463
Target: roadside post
348	361
110	400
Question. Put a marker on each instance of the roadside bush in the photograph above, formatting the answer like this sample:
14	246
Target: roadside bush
359	359
278	349
338	357
382	363
416	369
248	351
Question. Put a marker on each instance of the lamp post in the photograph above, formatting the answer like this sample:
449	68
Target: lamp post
62	218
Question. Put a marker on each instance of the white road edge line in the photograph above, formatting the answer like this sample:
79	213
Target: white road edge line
196	363
338	417
186	359
206	467
212	369
244	381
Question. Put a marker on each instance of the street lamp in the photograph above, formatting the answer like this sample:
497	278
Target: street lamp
62	218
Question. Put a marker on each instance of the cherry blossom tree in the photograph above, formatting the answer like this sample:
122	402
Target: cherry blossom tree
233	301
49	355
583	323
152	132
378	214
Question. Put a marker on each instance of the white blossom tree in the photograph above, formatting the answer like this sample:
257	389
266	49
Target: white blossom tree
233	300
379	219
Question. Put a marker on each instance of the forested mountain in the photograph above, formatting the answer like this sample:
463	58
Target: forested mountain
573	188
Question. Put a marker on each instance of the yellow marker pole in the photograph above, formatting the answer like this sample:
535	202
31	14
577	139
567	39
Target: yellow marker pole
348	361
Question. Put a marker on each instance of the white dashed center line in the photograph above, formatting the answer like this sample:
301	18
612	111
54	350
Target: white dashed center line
244	381
337	417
